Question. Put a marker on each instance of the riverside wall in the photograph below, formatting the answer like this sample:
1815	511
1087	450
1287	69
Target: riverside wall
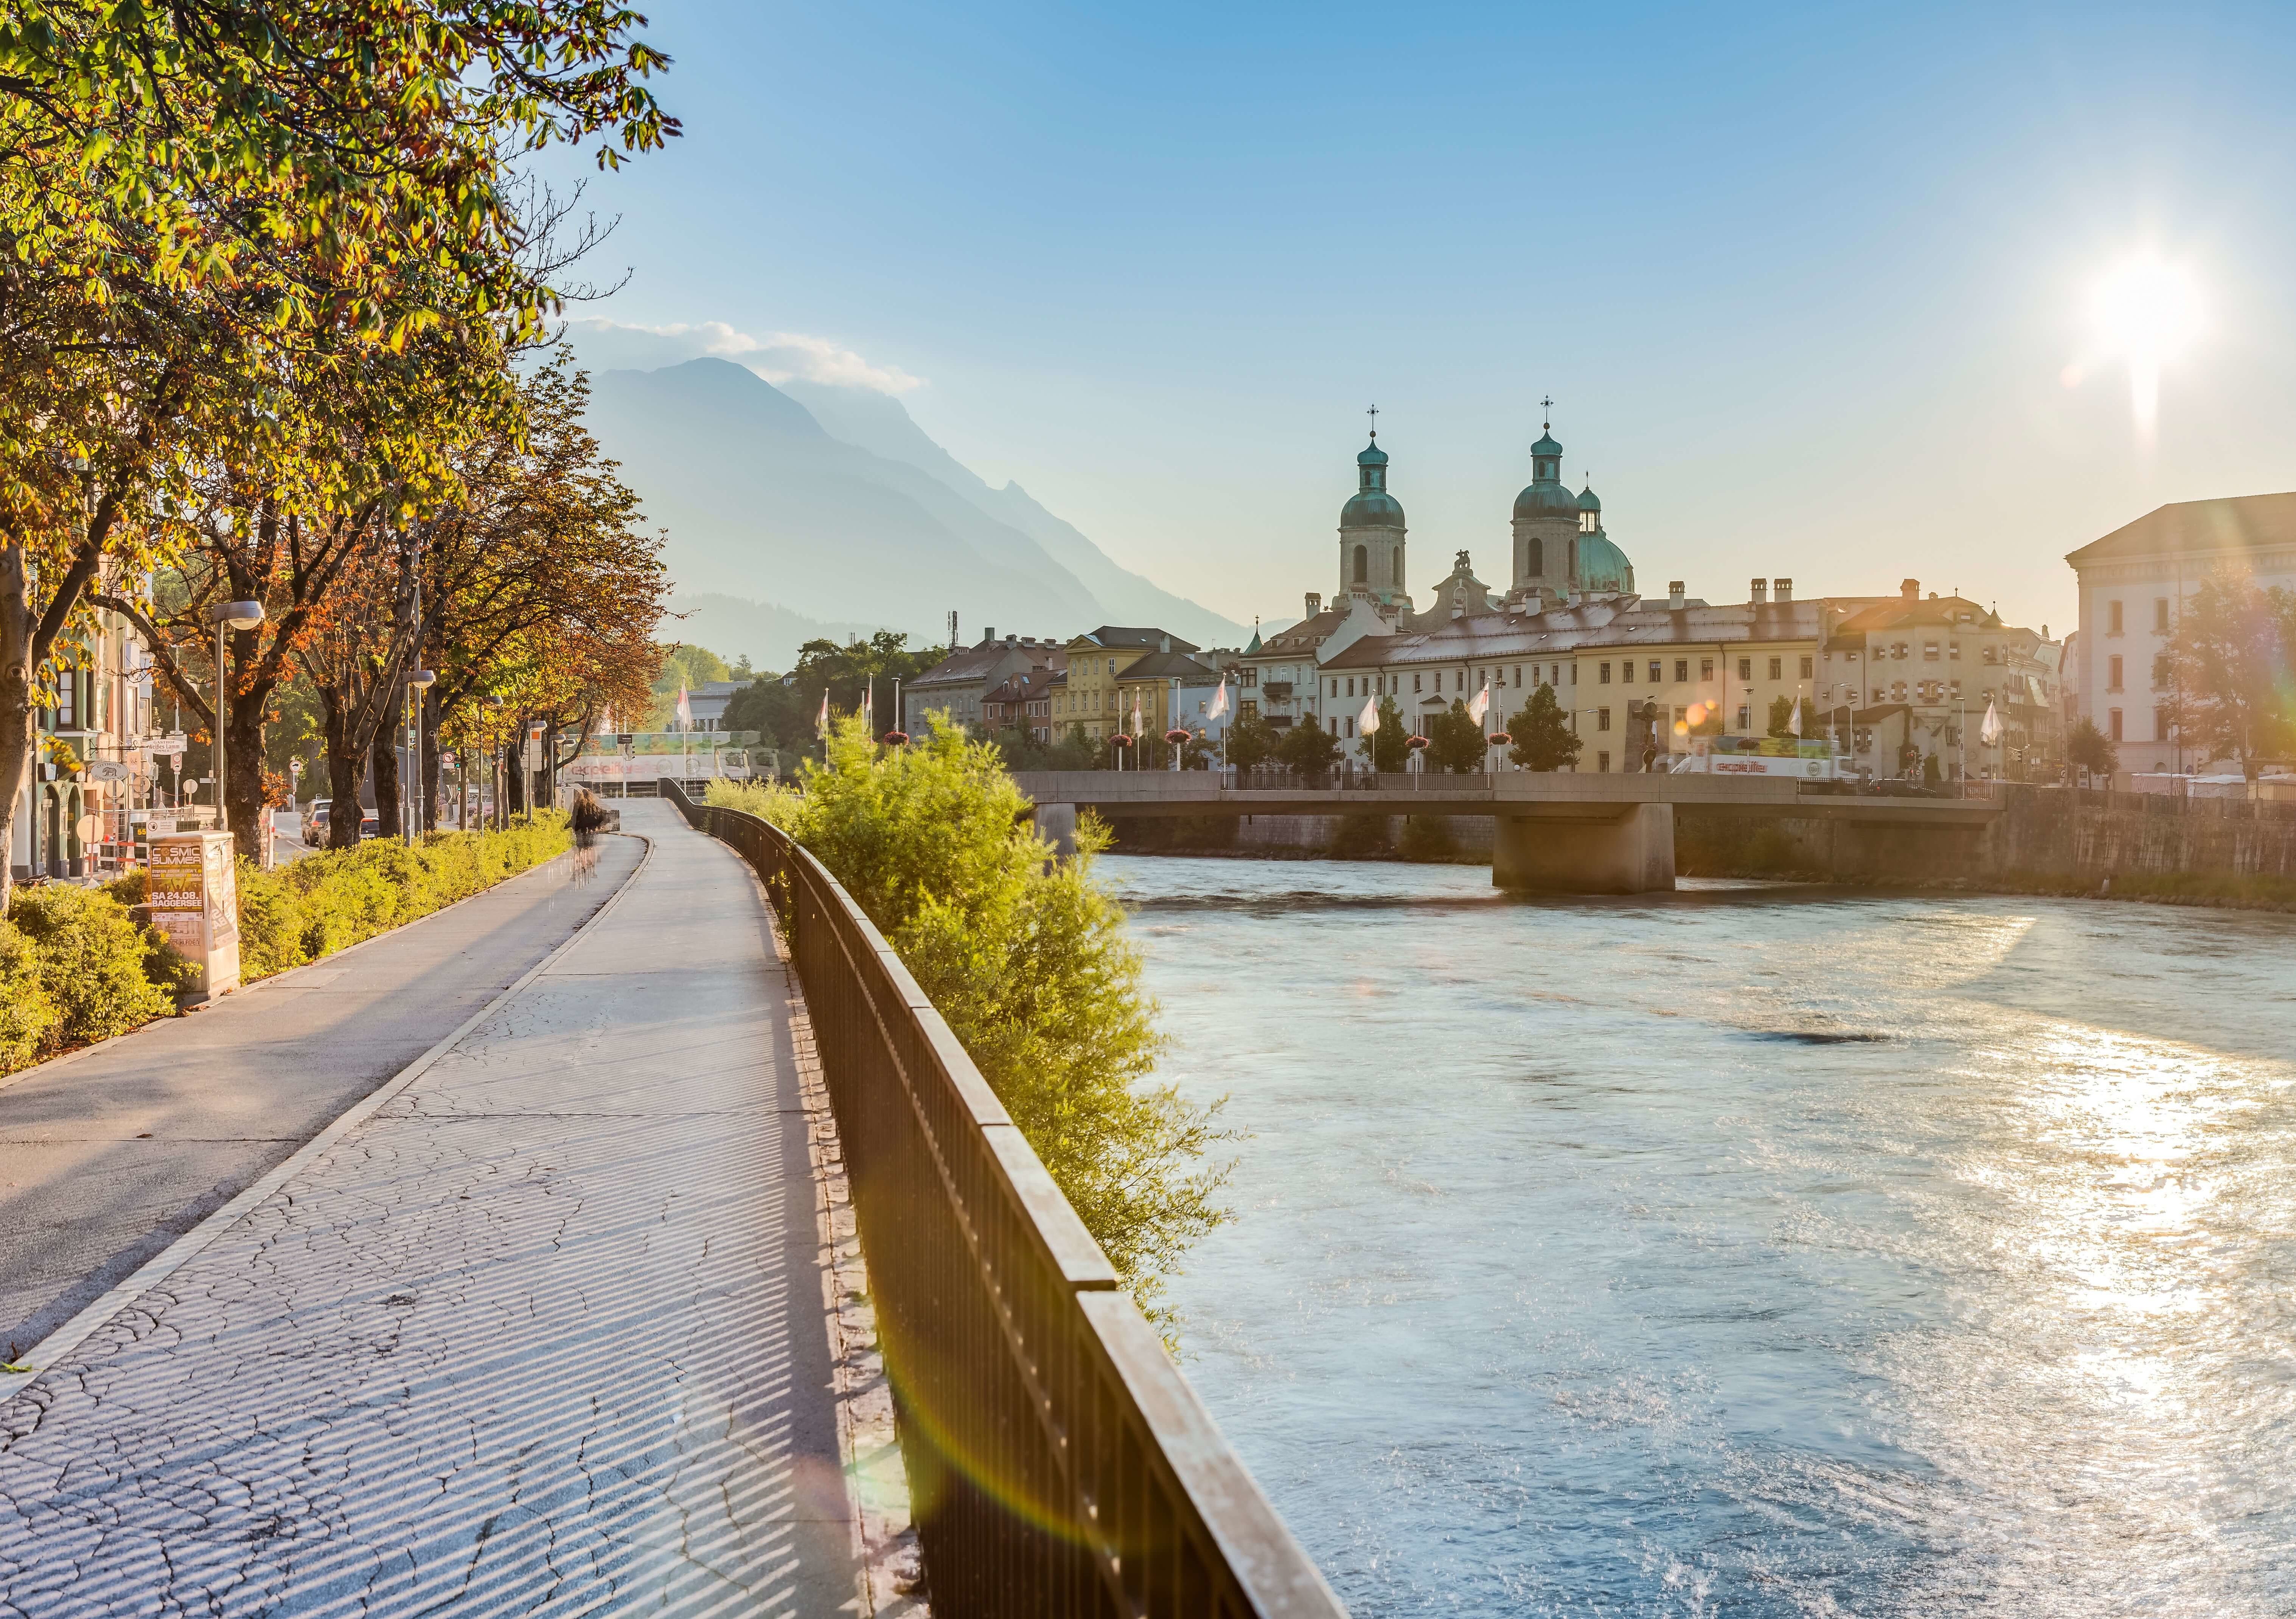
2047	836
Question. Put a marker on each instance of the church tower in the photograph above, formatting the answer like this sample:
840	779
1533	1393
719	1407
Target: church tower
1546	524
1371	536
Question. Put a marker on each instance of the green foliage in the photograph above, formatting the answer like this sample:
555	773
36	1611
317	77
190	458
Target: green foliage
324	901
786	709
1932	774
1359	836
2090	749
1427	837
1384	746
2232	664
1455	741
89	957
1308	748
1782	714
1543	737
689	667
27	1013
1028	962
1251	742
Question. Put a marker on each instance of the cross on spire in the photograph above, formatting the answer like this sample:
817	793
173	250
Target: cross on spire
1373	415
1546	407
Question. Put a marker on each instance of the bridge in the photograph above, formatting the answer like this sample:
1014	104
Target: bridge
1557	831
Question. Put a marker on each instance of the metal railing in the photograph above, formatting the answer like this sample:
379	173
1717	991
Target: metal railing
1059	1463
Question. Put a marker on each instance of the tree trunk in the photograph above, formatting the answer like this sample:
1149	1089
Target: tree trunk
514	774
242	795
385	765
16	744
346	770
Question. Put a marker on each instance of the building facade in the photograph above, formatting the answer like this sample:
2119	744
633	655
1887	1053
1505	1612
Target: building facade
93	775
1096	698
959	684
2134	584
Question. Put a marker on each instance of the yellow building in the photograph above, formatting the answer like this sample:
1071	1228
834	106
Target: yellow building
1096	697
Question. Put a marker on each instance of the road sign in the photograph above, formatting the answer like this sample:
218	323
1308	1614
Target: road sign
107	770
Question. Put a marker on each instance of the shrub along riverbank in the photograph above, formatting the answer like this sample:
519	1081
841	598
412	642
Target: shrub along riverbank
76	968
1028	962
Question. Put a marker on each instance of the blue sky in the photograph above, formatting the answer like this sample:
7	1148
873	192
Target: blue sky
1810	285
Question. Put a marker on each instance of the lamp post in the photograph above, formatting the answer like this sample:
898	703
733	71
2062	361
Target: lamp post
230	616
418	681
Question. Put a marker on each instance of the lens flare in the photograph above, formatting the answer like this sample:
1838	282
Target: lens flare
2148	312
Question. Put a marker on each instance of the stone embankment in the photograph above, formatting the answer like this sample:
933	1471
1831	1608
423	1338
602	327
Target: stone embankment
2053	839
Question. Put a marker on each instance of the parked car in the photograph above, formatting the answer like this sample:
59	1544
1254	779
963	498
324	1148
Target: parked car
316	817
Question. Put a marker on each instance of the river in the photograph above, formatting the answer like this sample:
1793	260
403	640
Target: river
1754	1250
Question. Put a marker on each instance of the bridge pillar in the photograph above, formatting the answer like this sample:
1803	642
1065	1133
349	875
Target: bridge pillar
1056	822
1629	850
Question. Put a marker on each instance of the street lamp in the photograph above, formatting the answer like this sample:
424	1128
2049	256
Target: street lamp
230	616
418	680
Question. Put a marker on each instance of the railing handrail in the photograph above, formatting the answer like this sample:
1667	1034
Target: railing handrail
1060	1463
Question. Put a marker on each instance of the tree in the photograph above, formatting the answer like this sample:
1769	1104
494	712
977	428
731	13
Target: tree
1384	746
1251	742
1782	718
1027	960
1455	741
205	205
1543	737
787	708
2090	749
2232	663
1308	748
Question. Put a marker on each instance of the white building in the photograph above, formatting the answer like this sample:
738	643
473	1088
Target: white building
2133	584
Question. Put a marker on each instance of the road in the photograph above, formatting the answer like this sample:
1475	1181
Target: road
108	1156
544	1333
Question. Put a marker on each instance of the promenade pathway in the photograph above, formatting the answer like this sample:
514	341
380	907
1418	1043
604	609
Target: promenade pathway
542	1334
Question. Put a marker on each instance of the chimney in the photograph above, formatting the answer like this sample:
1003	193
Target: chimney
1164	644
1910	589
1674	597
1781	590
987	634
1315	603
1761	592
1010	639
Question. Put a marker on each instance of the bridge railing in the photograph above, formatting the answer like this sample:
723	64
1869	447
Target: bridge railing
1059	1463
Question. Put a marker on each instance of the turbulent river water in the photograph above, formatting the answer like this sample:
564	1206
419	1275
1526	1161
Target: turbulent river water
1753	1250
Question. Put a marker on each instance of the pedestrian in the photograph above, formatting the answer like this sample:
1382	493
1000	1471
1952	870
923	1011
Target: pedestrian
589	818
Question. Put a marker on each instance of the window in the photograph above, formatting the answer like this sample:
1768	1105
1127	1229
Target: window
1929	652
2160	724
1807	669
1654	670
1352	727
2159	615
1458	680
1535	558
1602	673
1706	668
2112	722
1952	649
1682	671
1351	688
1746	717
1956	692
1363	566
1745	668
1777	668
2160	674
1574	673
2112	673
1335	687
1415	682
1603	720
2113	617
1518	674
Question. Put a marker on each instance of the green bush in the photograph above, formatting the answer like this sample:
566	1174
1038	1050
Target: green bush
89	957
1028	961
1427	837
1359	836
26	1011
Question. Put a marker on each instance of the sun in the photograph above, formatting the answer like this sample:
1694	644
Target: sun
2148	312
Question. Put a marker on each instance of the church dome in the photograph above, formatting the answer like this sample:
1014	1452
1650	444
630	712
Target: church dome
1371	509
1601	565
1545	500
1373	456
1588	501
1546	445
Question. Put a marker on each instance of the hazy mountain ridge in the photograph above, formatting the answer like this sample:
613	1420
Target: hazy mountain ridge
763	501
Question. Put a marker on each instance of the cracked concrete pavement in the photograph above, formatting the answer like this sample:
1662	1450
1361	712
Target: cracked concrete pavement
545	1334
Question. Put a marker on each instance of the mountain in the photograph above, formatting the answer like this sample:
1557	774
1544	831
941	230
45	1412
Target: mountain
769	636
846	522
879	422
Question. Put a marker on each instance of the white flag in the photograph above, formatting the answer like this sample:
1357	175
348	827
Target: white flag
1482	705
1136	714
821	725
684	709
1219	700
1369	721
1794	720
1989	733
